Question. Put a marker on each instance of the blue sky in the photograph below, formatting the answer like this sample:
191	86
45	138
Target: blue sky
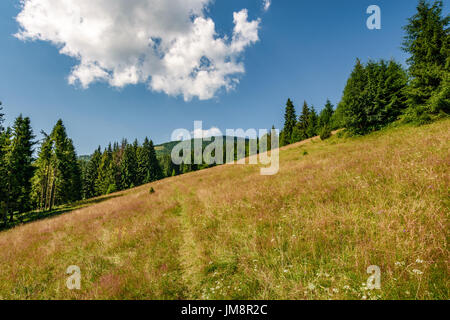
306	50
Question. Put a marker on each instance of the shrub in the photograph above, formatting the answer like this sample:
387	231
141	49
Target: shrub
152	191
111	189
325	133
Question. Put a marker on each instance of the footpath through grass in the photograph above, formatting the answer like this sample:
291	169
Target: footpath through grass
309	232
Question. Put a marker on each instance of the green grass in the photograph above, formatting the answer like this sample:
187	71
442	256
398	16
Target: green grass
309	232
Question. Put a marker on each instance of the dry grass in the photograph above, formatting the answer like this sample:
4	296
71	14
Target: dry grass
309	232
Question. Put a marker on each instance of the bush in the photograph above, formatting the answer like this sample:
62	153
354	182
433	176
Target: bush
111	189
325	133
152	191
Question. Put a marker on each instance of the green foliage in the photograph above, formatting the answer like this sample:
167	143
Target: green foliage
326	115
325	133
373	97
18	166
313	119
427	40
148	167
111	188
58	176
128	168
152	191
290	120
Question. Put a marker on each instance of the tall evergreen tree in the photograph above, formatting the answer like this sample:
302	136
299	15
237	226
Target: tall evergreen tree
105	182
373	97
290	120
354	101
43	173
90	177
58	176
4	145
427	40
326	115
19	168
148	167
311	130
128	167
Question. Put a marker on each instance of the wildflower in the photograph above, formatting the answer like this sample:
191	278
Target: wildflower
417	271
419	261
346	287
311	287
285	270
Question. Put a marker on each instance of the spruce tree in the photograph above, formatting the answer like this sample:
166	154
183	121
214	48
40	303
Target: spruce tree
373	97
300	133
148	167
43	174
427	40
4	144
354	101
128	167
105	182
326	115
290	120
90	188
311	130
19	166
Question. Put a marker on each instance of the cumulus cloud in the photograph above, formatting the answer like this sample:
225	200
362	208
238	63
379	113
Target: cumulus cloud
205	134
267	4
170	45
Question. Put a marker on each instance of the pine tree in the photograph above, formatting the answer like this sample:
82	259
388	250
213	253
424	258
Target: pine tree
300	132
290	120
427	40
374	96
105	178
19	168
57	179
89	185
5	141
148	167
311	130
354	101
4	145
326	115
74	185
128	167
42	177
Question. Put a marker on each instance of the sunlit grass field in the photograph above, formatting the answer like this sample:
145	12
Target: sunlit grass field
309	232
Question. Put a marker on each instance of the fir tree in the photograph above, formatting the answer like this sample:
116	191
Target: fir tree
326	115
128	167
290	120
19	168
311	130
427	40
89	185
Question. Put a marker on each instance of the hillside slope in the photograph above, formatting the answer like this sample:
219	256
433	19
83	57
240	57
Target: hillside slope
227	232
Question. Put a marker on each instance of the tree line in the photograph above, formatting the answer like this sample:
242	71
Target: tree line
119	167
379	93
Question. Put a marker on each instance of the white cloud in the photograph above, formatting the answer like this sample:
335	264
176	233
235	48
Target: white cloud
204	134
171	45
267	4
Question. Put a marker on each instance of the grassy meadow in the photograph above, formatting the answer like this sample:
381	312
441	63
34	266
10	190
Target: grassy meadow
309	232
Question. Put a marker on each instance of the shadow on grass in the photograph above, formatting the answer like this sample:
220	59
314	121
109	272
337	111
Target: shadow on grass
25	218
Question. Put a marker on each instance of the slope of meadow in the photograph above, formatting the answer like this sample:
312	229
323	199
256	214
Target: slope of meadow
311	231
